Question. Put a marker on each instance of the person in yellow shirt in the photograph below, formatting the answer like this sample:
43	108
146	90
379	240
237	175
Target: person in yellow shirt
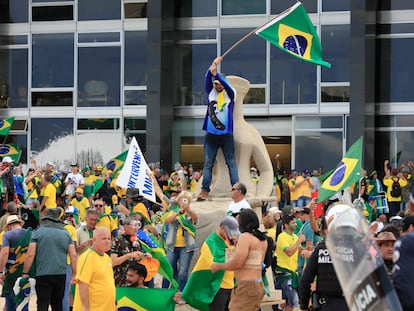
32	181
81	203
303	189
49	194
67	301
294	194
394	181
104	218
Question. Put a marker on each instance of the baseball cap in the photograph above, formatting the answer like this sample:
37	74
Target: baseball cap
79	190
274	210
287	210
74	164
51	164
7	159
71	210
406	222
385	236
231	226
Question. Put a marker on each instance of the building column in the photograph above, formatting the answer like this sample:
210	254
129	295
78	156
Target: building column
362	78
160	89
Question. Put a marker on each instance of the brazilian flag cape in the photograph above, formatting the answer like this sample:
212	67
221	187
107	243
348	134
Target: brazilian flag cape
145	299
203	285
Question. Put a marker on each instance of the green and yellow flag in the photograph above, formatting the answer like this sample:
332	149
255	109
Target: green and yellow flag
5	126
347	172
12	151
144	299
115	165
293	32
203	285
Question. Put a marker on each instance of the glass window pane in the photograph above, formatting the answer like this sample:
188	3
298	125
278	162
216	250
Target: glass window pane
396	70
325	148
19	125
52	99
335	42
278	6
198	34
395	28
135	124
99	9
98	37
194	61
98	124
52	60
14	11
255	96
318	122
52	13
286	85
20	140
36	1
241	7
135	10
248	60
13	78
395	5
49	137
396	146
329	5
196	8
335	94
135	97
99	76
10	40
135	58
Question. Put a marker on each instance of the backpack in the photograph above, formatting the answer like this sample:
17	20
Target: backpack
395	188
270	250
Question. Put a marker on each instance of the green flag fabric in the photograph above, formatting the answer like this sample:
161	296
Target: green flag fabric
12	151
293	32
5	126
115	165
347	172
145	299
203	285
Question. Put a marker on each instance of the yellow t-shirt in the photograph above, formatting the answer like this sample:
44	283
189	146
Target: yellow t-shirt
50	192
179	237
72	232
388	182
107	222
284	241
96	270
272	233
82	206
304	190
294	194
31	187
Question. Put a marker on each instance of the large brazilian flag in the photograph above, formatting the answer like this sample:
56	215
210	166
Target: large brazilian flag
144	299
12	151
115	165
203	285
5	126
347	172
292	31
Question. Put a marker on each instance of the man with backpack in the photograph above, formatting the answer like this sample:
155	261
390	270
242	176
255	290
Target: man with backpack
394	181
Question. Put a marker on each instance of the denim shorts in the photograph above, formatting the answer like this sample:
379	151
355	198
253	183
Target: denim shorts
289	294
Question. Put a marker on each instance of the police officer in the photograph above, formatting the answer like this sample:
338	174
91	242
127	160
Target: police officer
328	295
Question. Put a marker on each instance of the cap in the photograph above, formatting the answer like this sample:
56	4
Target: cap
395	171
86	168
98	167
51	164
216	81
31	169
7	159
373	173
287	210
274	210
74	164
305	171
53	214
406	222
13	219
385	236
79	190
231	226
253	169
132	193
71	210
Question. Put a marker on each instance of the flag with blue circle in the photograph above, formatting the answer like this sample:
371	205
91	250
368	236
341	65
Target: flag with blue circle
12	151
5	126
347	172
293	32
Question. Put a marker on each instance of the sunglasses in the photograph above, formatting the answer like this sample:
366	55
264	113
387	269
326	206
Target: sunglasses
233	189
98	205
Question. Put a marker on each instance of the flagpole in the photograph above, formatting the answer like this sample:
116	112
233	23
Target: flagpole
252	32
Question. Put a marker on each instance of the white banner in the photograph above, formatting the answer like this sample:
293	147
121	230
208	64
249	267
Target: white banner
134	174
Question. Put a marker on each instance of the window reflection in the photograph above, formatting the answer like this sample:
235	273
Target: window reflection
396	70
52	13
135	10
395	5
292	81
99	9
99	76
255	96
14	11
196	8
98	124
241	7
329	5
335	42
278	6
135	58
395	145
195	60
135	97
48	133
248	60
335	94
52	99
13	78
52	60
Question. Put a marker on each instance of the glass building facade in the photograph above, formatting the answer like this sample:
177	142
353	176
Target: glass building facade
83	81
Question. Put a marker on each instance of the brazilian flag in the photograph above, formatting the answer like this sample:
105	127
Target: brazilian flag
144	299
115	165
203	285
12	151
347	172
5	126
293	32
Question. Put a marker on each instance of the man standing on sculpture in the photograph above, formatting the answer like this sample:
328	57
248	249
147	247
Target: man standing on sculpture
218	124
